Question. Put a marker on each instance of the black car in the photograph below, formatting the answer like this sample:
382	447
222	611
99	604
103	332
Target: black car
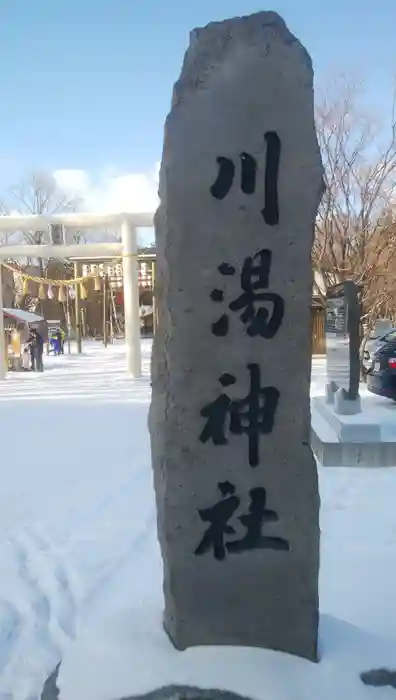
375	341
381	378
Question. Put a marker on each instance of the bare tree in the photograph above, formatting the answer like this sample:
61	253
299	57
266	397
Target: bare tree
356	224
39	193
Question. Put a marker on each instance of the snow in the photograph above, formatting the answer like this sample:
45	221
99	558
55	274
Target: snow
74	458
375	422
80	569
24	316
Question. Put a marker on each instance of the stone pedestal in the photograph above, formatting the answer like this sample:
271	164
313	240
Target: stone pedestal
235	480
358	438
344	405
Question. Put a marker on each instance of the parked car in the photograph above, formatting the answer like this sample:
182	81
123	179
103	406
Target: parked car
374	343
381	378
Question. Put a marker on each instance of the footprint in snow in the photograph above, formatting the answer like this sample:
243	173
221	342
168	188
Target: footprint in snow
10	626
52	601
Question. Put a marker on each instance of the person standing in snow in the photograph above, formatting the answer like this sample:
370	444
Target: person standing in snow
36	350
57	342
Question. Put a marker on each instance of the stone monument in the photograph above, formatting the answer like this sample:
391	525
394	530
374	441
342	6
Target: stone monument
342	348
235	480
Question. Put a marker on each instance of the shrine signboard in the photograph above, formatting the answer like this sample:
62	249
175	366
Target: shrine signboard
235	480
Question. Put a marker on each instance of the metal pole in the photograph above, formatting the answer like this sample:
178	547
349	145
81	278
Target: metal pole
3	347
131	299
77	311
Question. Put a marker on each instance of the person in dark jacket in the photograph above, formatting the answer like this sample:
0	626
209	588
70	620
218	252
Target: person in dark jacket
36	346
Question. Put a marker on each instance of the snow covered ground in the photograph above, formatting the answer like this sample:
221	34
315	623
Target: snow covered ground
73	498
80	573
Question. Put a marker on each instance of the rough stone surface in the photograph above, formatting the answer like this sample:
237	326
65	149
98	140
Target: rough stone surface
379	678
50	690
187	692
246	86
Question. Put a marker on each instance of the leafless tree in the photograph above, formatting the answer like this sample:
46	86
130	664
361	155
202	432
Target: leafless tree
36	194
39	193
356	224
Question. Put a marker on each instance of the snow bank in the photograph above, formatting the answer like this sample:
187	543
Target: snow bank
123	651
80	570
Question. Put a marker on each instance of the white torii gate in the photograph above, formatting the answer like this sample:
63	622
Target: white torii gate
127	224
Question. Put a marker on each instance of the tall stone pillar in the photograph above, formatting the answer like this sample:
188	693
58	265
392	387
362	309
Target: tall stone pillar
235	480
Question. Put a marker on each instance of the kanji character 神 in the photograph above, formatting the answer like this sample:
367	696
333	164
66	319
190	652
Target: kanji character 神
254	415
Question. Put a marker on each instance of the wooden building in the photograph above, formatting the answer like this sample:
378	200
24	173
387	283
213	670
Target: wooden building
318	316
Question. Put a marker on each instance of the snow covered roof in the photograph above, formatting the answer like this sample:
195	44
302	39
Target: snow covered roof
23	316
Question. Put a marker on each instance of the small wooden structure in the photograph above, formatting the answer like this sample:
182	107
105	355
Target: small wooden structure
17	325
318	316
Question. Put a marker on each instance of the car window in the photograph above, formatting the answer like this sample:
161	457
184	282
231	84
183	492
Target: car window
390	337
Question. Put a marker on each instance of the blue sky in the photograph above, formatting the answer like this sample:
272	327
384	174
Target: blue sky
86	84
